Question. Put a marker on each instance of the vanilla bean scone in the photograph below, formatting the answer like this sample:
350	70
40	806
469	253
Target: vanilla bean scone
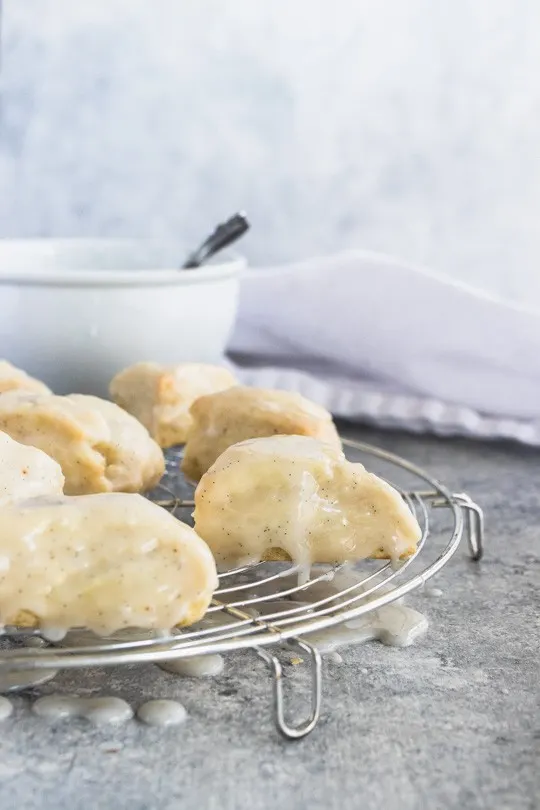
99	446
160	396
15	379
293	497
105	562
240	413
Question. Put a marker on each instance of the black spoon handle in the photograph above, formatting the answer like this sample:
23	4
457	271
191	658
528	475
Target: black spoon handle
224	235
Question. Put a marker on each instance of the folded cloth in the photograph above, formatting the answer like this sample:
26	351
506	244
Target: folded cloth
375	339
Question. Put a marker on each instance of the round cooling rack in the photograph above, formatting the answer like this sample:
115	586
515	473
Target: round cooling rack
262	606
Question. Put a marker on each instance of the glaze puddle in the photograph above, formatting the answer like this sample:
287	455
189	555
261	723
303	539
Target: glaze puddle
99	710
395	624
162	713
197	666
433	593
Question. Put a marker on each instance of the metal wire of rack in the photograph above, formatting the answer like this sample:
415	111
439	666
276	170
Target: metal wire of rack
264	605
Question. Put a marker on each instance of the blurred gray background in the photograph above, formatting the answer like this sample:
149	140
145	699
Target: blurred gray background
406	126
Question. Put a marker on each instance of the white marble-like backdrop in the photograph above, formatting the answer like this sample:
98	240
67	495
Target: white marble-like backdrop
407	126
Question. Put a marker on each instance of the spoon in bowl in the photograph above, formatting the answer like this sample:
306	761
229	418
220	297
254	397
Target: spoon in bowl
223	236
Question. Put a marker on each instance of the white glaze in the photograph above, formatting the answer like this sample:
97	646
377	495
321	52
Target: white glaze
334	657
197	666
57	707
105	562
85	638
395	625
52	633
100	710
433	593
162	713
26	472
318	506
5	708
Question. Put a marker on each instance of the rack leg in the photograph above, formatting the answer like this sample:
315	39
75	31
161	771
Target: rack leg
288	731
474	526
474	519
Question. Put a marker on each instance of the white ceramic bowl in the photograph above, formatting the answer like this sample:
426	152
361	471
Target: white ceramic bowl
74	312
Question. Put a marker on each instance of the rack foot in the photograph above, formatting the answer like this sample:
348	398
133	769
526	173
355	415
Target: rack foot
286	729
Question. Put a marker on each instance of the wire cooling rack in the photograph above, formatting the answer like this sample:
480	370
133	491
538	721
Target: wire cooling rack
263	606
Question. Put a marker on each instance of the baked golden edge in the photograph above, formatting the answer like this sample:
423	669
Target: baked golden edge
279	555
26	619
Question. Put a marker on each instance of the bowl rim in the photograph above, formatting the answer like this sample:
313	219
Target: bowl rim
230	266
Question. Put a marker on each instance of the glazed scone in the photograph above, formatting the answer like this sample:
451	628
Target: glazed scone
99	447
240	413
160	396
293	497
14	379
26	472
104	562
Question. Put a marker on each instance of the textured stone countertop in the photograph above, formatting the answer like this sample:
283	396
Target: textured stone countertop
452	722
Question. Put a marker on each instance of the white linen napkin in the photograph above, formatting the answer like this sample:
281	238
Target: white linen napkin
378	340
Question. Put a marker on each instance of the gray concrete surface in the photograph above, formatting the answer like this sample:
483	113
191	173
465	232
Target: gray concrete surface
452	722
